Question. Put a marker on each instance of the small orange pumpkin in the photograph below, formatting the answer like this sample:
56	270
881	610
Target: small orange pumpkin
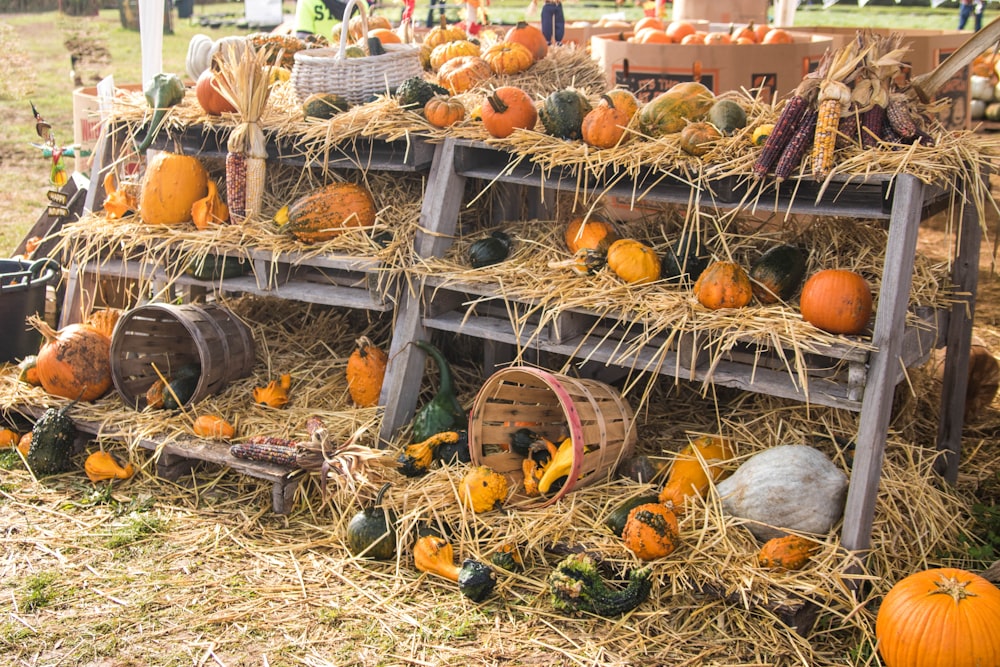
74	362
444	111
604	125
651	531
723	285
697	138
678	30
694	469
366	372
633	261
275	393
506	109
451	50
530	36
624	100
651	35
836	300
589	233
442	33
777	36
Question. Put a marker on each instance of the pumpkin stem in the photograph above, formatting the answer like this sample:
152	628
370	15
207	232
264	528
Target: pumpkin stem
498	104
954	588
43	327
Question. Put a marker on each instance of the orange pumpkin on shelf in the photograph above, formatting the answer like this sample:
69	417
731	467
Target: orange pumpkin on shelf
648	22
678	30
444	111
464	73
697	138
651	36
589	234
723	285
716	38
506	58
206	91
624	100
506	109
838	301
604	125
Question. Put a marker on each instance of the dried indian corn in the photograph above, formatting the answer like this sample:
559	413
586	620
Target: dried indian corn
236	185
266	448
833	97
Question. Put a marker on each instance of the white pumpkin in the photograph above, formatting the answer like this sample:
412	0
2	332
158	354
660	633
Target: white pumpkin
977	109
785	488
981	88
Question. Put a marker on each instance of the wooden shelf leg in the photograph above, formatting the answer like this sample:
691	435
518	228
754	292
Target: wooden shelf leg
438	222
965	276
172	467
283	495
876	407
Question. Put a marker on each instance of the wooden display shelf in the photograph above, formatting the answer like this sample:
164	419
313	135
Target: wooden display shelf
175	459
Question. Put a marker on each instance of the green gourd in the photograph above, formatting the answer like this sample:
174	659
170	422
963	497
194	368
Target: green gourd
217	267
576	586
372	531
562	113
684	261
416	91
182	386
493	249
324	106
778	273
728	116
443	412
162	92
52	442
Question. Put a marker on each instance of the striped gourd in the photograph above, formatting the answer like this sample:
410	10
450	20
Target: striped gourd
329	211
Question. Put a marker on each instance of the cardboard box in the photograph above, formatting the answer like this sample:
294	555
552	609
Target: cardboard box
768	69
928	49
721	11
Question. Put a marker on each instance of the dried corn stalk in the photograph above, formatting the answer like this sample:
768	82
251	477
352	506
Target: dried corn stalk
244	80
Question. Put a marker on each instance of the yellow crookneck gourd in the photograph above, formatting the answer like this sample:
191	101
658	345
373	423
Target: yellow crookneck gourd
101	466
434	554
694	469
559	466
275	394
417	458
483	489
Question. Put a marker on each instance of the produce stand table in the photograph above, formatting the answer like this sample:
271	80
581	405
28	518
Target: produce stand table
899	201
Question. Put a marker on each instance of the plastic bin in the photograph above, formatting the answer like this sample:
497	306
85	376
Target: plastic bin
23	286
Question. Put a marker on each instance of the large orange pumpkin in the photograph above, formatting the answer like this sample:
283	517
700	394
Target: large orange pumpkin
74	362
836	300
940	617
171	184
208	95
506	109
530	36
589	233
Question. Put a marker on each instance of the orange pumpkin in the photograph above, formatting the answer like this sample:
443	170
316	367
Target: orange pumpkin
529	36
506	109
836	300
633	261
651	531
723	285
777	36
451	50
715	38
9	438
206	91
385	35
648	22
74	362
651	36
604	125
698	138
678	30
789	552
464	73
940	616
443	111
696	39
442	33
213	426
506	58
171	184
746	32
589	233
366	372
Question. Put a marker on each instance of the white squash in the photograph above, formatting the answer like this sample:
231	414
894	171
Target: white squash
981	88
785	488
199	55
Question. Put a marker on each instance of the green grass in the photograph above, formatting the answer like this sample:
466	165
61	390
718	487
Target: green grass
36	67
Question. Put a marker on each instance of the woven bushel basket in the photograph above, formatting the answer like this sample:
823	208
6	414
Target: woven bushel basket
170	337
554	406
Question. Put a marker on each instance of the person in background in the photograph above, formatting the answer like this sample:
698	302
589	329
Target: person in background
553	22
439	4
967	8
318	17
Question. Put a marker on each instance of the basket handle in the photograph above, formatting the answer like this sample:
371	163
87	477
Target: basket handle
363	10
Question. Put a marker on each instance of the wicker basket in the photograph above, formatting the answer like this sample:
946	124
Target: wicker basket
170	337
355	79
592	413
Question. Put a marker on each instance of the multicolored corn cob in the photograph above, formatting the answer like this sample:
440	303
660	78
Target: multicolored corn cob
266	448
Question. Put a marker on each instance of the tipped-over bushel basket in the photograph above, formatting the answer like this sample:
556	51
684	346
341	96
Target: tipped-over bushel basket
172	337
554	406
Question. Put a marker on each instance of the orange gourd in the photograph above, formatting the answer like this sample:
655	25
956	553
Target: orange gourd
836	300
589	234
74	362
213	426
695	468
117	202
366	372
624	100
9	438
104	320
329	211
633	261
697	138
651	531
101	466
275	393
604	125
506	109
451	50
171	184
210	209
723	285
940	617
530	36
24	444
464	73
790	552
209	97
444	111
